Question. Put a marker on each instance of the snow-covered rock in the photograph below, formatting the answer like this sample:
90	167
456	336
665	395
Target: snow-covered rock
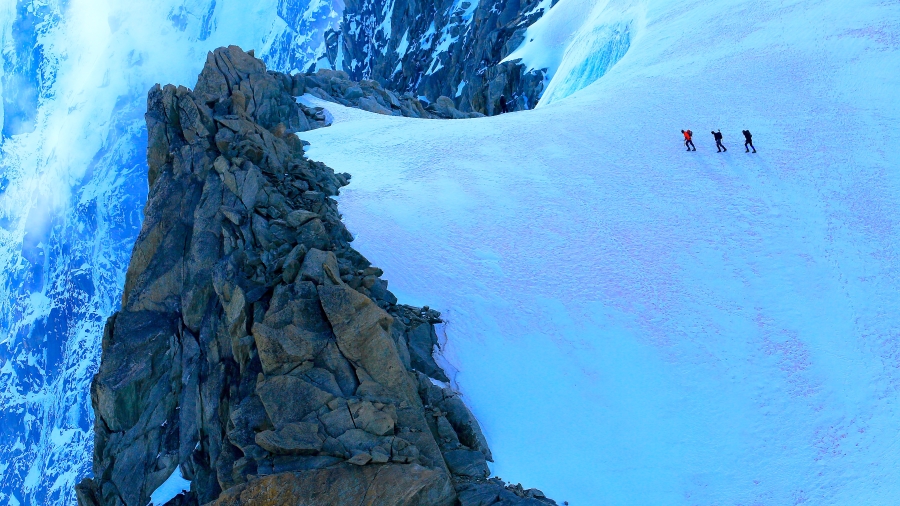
441	48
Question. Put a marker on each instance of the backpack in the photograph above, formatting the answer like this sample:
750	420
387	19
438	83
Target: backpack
690	134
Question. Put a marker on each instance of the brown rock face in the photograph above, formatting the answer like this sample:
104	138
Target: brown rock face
371	485
255	350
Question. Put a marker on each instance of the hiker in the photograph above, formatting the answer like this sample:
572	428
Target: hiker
503	108
748	141
687	140
719	146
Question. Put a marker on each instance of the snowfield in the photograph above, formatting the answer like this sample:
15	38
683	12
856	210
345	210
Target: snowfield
635	324
632	324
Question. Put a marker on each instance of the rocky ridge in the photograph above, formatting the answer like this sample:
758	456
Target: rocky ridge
256	353
434	48
336	86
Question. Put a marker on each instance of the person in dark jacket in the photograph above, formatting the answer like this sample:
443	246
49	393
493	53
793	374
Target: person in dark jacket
503	107
719	146
748	141
687	140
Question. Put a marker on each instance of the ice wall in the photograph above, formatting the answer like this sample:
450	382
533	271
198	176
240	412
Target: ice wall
578	42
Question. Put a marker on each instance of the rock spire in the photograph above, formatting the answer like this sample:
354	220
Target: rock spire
256	354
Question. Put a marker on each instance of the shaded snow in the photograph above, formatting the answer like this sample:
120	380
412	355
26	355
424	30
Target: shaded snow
174	485
403	45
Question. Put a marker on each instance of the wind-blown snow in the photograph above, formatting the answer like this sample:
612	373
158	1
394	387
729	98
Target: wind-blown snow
73	77
634	324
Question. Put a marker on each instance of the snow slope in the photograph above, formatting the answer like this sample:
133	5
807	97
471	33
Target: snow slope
634	324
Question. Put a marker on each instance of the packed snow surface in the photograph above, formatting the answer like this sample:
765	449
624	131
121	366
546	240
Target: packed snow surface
634	324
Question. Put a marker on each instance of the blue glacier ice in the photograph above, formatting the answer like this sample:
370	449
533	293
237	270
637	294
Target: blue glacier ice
72	186
588	58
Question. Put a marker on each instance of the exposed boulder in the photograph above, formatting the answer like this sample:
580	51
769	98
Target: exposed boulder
445	108
336	86
300	438
422	341
494	492
314	265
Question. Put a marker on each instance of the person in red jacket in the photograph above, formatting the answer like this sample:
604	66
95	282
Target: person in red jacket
687	139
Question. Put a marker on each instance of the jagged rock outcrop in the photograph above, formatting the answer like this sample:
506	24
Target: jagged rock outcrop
435	48
336	86
255	351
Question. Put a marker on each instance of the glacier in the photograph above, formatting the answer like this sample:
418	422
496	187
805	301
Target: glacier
578	43
659	327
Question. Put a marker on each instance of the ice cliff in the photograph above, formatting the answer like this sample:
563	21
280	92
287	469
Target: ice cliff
257	357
